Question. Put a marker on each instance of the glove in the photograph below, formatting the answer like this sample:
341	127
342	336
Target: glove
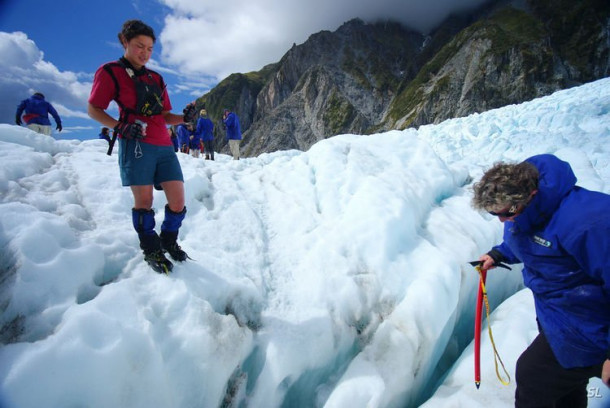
18	120
189	112
130	130
59	128
497	256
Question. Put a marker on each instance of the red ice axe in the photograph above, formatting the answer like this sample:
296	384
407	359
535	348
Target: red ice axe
482	299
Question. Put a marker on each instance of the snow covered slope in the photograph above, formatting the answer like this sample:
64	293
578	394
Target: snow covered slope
334	277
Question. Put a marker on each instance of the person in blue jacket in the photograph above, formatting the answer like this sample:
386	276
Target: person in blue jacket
184	137
561	233
105	134
231	122
36	116
205	130
194	142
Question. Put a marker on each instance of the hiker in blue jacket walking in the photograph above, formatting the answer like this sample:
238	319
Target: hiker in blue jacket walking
184	136
194	142
36	116
561	234
205	130
231	123
104	134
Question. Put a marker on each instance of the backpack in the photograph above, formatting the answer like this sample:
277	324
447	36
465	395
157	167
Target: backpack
149	95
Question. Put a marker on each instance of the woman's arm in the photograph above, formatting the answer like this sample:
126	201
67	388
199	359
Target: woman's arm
101	116
172	118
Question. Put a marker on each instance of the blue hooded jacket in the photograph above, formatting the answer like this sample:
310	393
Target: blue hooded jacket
233	126
563	239
205	129
194	141
183	134
37	111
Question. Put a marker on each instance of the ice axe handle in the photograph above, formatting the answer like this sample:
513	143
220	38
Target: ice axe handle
499	264
111	144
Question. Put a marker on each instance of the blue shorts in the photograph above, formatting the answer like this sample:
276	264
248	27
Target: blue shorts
144	164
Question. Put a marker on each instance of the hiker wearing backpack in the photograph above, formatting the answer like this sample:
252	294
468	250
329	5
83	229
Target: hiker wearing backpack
146	153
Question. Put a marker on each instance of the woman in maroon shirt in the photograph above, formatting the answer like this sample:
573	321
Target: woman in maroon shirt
146	154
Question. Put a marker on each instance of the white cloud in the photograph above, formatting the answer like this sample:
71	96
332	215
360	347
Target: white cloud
75	128
163	70
202	42
25	71
64	111
185	83
220	38
18	50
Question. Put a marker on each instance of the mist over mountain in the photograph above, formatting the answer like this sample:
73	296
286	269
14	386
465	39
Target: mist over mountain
369	77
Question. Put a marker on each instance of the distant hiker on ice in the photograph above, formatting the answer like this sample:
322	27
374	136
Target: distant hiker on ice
231	122
205	131
146	153
561	234
105	134
184	136
194	142
36	116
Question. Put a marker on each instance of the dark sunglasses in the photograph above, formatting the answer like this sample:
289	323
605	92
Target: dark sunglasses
506	214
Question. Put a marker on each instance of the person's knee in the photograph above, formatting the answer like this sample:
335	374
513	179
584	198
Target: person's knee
177	207
143	202
525	370
174	193
525	378
142	197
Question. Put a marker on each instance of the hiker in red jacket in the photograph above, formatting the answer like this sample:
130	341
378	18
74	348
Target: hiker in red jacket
146	152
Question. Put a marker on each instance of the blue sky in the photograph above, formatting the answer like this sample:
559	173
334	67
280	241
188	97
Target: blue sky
80	46
54	47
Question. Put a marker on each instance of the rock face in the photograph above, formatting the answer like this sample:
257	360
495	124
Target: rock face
366	78
511	56
339	82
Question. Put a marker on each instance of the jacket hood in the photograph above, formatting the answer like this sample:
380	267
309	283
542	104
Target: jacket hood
556	180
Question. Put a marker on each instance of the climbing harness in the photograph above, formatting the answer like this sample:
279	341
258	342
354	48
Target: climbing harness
482	299
149	95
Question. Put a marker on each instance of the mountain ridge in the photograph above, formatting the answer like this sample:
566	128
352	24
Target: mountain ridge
370	77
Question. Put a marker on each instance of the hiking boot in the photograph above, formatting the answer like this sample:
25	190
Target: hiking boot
169	240
158	262
174	250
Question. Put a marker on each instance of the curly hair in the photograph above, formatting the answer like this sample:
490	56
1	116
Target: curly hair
505	185
134	28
